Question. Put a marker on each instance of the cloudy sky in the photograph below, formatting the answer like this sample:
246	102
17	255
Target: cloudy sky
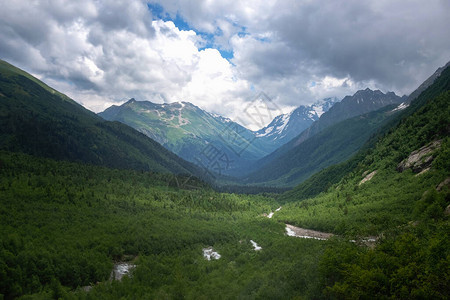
220	54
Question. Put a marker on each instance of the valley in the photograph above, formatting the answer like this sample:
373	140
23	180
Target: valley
203	150
68	219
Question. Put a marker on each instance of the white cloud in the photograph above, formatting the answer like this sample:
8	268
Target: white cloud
107	51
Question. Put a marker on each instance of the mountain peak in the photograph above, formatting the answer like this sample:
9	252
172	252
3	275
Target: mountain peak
367	91
131	101
370	93
286	126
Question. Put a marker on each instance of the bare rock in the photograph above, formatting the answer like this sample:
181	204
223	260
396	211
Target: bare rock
423	171
421	159
368	177
441	185
447	210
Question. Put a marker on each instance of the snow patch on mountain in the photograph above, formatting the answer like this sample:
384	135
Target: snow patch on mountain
256	247
219	117
276	126
284	120
291	124
266	132
402	106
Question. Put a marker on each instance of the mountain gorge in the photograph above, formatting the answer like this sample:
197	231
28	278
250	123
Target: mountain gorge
80	195
213	150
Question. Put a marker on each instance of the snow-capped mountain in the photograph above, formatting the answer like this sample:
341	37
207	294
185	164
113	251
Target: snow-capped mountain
285	127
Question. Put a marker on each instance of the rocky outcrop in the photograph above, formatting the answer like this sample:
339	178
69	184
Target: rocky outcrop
447	210
444	183
421	159
307	233
368	177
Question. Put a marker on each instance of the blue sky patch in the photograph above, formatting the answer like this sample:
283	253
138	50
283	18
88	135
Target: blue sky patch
159	14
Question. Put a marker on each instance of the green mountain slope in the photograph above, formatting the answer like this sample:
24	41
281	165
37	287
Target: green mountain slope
391	210
438	83
388	198
186	130
64	225
36	119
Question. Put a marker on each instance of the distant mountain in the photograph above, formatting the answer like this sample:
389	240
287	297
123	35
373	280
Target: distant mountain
192	133
363	101
287	126
38	120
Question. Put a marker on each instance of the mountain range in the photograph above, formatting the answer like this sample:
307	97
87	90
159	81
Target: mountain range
328	147
306	140
336	136
187	130
269	156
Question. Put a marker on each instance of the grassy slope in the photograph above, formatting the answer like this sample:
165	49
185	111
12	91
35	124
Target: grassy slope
162	124
37	120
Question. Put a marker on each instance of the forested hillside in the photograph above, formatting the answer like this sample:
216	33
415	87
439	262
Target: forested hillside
63	226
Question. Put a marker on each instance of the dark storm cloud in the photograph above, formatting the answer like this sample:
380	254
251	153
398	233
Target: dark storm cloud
367	42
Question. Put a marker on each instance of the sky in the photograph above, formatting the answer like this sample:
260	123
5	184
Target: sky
219	55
